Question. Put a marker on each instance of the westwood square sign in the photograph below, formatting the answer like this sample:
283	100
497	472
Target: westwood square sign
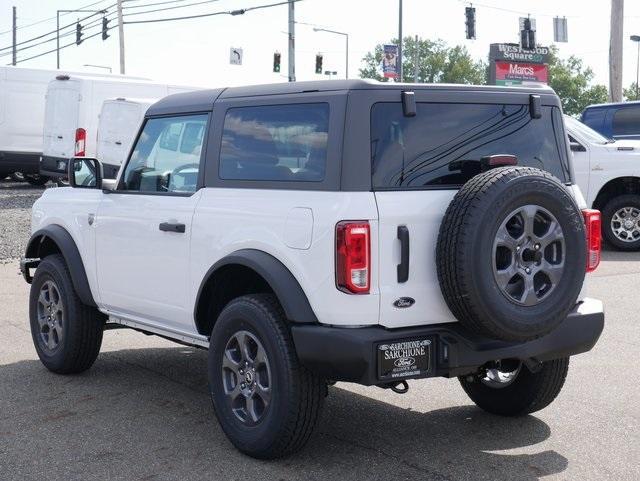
510	64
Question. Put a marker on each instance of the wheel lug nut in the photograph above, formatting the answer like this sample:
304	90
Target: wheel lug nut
527	270
243	385
517	248
536	247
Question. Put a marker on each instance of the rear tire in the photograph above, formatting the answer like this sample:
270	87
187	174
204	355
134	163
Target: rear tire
67	334
266	402
620	206
527	393
37	180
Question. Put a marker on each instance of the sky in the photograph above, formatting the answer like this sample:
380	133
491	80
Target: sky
196	52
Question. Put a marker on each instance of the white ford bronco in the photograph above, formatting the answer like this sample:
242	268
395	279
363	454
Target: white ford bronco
314	232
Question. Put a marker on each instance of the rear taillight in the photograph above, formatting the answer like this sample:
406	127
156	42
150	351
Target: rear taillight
353	257
593	224
81	138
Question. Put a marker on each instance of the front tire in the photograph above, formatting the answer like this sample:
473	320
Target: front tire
66	333
621	222
525	393
266	402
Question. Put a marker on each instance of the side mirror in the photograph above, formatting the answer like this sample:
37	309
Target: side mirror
576	147
85	173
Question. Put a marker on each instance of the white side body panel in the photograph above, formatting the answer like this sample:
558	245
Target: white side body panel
227	220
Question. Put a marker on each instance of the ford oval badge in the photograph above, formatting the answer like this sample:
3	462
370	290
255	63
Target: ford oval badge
404	302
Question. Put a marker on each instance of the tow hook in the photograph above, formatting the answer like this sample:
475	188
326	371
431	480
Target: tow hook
399	387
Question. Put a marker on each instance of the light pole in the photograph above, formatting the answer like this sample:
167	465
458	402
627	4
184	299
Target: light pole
346	36
636	38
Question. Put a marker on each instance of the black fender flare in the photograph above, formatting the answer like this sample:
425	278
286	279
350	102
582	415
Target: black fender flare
69	251
285	286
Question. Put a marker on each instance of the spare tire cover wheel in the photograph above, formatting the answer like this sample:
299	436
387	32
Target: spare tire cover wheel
511	253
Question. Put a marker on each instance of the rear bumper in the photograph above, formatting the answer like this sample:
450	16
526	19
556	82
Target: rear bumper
349	354
25	162
57	167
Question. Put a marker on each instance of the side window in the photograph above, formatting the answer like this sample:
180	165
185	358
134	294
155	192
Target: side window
157	164
275	143
626	121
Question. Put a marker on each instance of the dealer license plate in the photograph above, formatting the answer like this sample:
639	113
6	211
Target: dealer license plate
401	359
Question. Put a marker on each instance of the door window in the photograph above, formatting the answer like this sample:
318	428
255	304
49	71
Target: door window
275	143
626	121
167	155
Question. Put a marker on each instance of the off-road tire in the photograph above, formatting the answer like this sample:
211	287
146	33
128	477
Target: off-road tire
464	253
529	392
83	325
628	200
297	395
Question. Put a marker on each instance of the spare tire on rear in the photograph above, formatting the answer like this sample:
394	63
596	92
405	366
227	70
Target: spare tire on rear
511	253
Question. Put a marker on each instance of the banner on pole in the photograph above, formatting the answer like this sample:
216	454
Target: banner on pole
390	67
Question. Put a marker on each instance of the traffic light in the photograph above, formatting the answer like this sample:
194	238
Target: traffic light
470	13
276	62
78	33
105	28
319	63
527	34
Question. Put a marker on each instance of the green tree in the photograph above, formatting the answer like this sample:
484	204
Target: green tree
631	93
572	81
437	63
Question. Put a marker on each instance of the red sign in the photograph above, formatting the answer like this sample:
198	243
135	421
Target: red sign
513	73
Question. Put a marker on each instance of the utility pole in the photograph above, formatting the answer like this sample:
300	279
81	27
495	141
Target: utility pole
121	36
416	59
292	42
615	51
15	31
400	41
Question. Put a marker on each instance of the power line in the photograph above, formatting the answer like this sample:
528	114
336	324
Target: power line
171	8
229	12
53	18
53	50
89	25
53	32
152	4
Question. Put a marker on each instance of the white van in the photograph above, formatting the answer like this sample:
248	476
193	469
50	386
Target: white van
118	124
72	106
22	94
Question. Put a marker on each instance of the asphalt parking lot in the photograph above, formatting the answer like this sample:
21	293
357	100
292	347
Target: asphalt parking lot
143	412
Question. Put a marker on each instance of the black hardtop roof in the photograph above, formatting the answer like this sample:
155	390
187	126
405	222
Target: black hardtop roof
202	100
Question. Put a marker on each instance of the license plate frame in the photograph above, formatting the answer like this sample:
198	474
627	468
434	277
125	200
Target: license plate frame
404	358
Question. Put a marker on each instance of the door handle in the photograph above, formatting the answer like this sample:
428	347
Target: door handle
171	227
117	142
59	136
403	267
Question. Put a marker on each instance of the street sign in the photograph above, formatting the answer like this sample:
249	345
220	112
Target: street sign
390	67
560	30
235	56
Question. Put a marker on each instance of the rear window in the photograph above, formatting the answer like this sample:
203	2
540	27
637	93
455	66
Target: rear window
626	121
275	143
442	146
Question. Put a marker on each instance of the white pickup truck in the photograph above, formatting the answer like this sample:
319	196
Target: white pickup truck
608	173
